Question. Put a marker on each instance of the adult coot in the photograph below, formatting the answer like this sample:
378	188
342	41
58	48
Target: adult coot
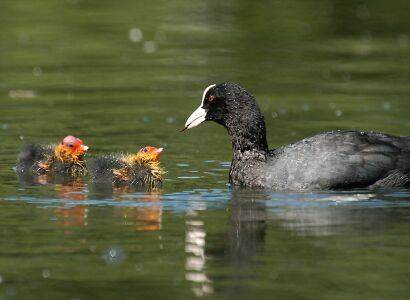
66	158
331	160
139	169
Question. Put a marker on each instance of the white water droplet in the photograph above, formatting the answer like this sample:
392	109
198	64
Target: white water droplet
37	71
403	40
135	35
46	273
386	106
150	47
14	94
306	107
114	255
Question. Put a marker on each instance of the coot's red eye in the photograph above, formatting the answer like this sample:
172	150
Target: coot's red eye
211	98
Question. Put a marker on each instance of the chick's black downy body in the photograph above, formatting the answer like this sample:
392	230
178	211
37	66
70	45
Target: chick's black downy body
29	157
103	171
331	160
40	160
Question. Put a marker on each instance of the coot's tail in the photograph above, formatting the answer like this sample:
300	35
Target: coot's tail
399	177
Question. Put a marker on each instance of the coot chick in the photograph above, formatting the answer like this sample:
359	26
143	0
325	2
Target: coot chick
141	168
66	158
331	160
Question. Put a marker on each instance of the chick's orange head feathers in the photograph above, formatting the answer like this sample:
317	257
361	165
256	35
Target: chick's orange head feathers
74	145
150	152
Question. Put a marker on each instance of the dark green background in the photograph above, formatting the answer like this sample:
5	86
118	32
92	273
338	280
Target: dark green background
70	67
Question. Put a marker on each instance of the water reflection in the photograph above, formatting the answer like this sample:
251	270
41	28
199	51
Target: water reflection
195	244
277	221
139	209
146	217
328	214
245	238
248	226
31	179
314	214
143	211
195	264
230	239
71	212
71	215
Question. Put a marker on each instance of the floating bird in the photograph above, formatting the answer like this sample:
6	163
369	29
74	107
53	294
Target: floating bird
330	160
141	168
66	158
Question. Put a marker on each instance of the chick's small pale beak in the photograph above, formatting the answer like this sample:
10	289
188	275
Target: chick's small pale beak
84	148
157	153
196	118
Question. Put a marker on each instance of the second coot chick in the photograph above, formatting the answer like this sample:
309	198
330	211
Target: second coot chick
140	169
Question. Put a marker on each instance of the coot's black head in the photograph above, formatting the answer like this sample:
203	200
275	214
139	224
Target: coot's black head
225	104
234	108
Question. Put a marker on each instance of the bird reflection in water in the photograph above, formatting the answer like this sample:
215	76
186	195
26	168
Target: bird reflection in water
248	227
331	213
195	242
71	215
146	216
244	241
138	207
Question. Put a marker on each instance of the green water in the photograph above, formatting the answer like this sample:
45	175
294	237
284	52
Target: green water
122	75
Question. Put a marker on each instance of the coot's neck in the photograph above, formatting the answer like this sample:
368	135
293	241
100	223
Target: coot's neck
248	137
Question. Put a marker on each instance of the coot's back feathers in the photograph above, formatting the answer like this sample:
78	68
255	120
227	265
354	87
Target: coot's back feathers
338	159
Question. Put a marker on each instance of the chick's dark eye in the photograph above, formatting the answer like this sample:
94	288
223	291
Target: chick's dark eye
145	150
71	145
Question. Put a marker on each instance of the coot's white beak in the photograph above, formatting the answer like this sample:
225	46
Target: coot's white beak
196	118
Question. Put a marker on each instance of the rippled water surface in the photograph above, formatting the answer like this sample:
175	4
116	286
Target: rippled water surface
121	75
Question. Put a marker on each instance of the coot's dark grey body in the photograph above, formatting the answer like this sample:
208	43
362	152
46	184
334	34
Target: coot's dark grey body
332	160
339	159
